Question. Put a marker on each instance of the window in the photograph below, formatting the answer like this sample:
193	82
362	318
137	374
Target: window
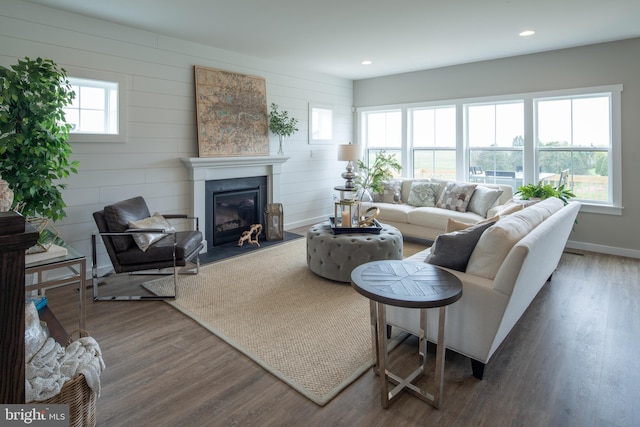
383	131
432	139
95	107
99	110
569	137
573	134
495	141
321	127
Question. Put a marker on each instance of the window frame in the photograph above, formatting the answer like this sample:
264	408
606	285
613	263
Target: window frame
530	152
123	88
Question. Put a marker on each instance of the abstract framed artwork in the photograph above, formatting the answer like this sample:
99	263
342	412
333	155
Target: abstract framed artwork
231	110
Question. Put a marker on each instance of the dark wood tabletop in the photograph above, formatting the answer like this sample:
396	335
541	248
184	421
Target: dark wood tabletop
406	284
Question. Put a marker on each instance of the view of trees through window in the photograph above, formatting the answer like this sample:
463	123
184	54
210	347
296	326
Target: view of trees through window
571	141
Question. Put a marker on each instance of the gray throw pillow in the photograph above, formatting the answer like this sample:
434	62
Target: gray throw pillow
423	194
483	199
453	250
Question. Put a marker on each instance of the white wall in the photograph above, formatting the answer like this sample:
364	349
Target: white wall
162	118
596	65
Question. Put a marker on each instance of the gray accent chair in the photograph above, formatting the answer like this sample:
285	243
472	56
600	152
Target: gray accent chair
178	251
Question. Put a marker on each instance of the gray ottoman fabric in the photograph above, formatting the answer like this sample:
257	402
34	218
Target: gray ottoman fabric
334	256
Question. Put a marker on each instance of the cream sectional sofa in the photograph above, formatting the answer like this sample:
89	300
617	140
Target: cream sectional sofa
429	222
509	264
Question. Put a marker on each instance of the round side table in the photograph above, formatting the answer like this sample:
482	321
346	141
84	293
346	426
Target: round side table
412	285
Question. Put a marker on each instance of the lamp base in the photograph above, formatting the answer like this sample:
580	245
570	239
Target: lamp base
350	176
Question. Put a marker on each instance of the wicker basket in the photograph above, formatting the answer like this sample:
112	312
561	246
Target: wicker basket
78	395
81	400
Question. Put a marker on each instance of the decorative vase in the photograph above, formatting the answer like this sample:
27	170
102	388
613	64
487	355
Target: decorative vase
6	196
280	149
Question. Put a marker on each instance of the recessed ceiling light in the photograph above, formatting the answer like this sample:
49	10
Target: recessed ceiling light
366	62
526	33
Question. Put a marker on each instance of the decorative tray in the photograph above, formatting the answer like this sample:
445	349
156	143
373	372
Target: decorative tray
346	230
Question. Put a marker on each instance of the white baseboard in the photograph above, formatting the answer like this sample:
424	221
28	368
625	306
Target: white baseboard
610	250
306	222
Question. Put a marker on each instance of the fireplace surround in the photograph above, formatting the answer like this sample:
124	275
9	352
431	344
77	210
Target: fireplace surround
203	169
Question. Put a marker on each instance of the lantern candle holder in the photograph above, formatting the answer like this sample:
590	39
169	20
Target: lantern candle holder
275	221
345	213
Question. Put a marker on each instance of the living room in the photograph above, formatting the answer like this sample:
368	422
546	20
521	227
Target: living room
158	71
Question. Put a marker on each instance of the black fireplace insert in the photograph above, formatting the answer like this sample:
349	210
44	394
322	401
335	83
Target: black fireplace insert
232	206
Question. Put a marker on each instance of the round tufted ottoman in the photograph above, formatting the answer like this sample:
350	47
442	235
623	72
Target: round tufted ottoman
333	256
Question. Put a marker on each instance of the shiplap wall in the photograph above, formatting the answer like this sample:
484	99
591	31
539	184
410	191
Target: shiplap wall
162	118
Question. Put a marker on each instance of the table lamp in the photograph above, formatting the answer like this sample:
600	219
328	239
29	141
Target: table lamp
349	153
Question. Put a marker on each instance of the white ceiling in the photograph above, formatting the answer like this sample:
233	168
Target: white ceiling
334	36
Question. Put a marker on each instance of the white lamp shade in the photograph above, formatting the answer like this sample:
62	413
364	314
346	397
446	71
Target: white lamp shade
348	152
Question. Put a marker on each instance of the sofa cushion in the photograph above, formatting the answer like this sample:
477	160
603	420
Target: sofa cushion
483	199
423	194
509	207
157	221
496	242
394	212
452	250
453	225
456	196
437	218
118	215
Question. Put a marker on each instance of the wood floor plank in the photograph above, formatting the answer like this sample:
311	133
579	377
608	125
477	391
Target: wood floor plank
571	360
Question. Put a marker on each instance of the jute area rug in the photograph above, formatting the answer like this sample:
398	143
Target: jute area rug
314	334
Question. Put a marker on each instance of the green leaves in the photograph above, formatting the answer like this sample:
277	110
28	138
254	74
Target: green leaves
34	147
280	123
372	176
544	191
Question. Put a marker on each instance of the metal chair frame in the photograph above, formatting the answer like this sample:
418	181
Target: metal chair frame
190	264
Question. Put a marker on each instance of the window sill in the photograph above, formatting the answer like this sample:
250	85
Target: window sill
601	209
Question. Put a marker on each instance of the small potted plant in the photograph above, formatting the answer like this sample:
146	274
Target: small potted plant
281	124
372	176
543	191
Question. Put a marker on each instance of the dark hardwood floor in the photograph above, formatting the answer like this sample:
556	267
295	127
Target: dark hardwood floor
572	360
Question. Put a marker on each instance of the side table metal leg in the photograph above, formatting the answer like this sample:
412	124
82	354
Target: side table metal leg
440	352
373	309
382	354
82	286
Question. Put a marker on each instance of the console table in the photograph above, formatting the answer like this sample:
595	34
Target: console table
412	285
73	272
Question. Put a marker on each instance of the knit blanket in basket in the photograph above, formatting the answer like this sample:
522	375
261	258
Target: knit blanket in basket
53	365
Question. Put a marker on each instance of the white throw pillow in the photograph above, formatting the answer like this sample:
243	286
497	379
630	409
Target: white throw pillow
147	239
483	199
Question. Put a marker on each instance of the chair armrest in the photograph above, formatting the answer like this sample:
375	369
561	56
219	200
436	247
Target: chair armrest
184	216
131	231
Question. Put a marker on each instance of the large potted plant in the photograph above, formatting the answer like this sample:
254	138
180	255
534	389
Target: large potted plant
34	147
281	124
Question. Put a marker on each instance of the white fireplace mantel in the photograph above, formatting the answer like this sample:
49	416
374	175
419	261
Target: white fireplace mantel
203	169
